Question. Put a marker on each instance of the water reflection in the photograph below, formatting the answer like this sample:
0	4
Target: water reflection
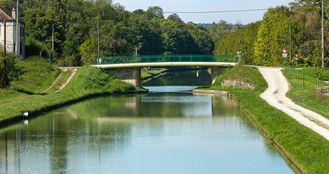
200	77
153	133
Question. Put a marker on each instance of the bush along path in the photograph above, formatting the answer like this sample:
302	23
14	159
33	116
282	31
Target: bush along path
275	95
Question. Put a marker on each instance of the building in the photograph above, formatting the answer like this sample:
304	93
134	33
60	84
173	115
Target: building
8	33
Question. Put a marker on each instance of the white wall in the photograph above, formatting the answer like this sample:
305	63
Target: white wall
11	35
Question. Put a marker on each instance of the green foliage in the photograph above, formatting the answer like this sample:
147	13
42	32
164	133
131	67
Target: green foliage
242	40
298	28
7	69
78	24
304	93
88	81
88	51
218	30
176	38
202	39
34	75
240	73
272	37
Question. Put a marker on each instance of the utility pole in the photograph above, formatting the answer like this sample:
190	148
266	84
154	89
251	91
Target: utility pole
18	35
290	38
53	37
5	37
322	31
290	44
4	84
98	38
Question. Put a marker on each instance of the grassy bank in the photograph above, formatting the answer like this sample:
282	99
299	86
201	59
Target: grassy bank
305	95
308	150
88	81
35	76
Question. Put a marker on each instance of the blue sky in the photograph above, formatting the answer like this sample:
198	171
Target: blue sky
208	5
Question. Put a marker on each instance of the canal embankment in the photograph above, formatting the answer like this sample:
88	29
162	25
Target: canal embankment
27	93
303	88
306	150
275	95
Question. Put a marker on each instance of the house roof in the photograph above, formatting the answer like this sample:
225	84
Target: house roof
4	15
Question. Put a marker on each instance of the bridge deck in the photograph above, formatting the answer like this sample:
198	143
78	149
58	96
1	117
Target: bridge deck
166	64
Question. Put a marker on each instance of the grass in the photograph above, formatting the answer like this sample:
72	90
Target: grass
6	94
305	148
60	81
88	81
306	96
36	75
147	73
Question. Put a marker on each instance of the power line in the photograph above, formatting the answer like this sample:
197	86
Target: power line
220	11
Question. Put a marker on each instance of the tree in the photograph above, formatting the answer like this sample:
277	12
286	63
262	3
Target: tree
7	69
176	38
217	30
202	39
272	37
242	40
175	17
146	36
155	12
88	51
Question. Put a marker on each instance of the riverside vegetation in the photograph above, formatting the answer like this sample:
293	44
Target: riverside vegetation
26	92
306	149
305	93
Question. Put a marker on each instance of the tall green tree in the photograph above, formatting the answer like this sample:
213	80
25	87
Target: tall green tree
202	39
272	37
176	38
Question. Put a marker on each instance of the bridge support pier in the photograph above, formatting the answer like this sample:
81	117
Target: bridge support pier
214	71
128	75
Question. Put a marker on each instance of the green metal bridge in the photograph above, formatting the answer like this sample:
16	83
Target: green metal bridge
165	58
128	68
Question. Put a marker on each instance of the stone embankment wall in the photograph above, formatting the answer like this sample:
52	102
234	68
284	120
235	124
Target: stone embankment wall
237	84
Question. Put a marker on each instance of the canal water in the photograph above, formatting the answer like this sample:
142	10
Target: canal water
168	131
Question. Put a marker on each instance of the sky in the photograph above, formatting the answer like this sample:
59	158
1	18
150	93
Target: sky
208	5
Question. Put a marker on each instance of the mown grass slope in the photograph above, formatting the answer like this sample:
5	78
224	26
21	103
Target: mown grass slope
88	81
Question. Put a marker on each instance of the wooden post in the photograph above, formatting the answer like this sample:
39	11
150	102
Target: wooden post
303	81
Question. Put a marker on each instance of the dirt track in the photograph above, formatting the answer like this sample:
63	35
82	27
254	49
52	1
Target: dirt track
275	95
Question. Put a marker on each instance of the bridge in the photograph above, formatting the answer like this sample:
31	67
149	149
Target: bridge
128	68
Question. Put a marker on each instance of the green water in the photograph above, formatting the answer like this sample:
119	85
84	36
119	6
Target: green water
169	131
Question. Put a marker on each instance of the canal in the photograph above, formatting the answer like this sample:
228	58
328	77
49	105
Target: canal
168	131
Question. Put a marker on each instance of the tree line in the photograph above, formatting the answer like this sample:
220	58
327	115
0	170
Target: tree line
297	27
85	30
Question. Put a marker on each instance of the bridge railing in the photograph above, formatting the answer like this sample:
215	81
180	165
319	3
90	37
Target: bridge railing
165	58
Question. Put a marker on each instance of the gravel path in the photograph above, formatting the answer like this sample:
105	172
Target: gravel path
275	95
